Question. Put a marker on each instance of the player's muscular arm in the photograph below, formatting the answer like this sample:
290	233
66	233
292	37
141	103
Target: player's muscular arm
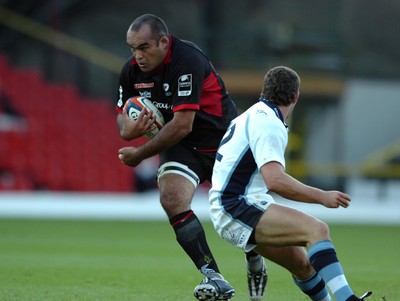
173	131
278	181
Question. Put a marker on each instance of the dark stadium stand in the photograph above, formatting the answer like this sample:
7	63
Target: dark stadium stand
59	140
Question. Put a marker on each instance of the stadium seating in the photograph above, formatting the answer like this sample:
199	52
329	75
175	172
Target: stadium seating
61	140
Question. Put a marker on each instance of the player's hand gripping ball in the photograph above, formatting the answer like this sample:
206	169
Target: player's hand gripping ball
135	105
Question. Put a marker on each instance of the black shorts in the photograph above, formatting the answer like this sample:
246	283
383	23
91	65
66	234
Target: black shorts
185	160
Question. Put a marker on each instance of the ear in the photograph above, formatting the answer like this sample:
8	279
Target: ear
164	42
296	96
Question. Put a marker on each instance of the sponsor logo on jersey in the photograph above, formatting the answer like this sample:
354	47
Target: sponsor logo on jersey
120	103
161	105
144	85
145	94
260	111
166	89
185	85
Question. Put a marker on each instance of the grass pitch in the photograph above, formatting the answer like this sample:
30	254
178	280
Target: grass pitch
73	260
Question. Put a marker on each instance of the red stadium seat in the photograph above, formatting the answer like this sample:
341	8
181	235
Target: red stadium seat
70	142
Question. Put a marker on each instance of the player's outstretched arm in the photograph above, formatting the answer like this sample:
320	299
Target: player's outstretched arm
278	181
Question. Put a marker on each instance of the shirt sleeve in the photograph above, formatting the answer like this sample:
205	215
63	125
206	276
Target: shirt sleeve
268	140
124	90
190	74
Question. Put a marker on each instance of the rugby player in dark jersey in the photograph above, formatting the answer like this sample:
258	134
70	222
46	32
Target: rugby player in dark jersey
182	83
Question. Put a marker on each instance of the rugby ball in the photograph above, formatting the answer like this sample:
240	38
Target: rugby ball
135	105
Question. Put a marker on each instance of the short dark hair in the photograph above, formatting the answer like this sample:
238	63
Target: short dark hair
280	85
157	25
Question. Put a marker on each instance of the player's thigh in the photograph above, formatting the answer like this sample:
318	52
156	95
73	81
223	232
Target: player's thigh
282	226
293	259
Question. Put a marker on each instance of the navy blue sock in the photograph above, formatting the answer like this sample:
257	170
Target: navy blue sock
314	287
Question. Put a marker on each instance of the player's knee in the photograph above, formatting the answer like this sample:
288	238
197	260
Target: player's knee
317	231
169	203
320	231
174	204
176	193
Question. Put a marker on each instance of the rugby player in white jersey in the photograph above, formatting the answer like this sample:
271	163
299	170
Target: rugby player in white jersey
249	165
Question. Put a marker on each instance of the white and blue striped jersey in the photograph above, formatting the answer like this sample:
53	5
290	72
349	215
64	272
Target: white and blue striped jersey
238	195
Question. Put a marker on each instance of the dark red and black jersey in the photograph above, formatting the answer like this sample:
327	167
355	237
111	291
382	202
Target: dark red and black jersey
186	81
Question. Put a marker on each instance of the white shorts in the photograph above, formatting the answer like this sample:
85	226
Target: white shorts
235	219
